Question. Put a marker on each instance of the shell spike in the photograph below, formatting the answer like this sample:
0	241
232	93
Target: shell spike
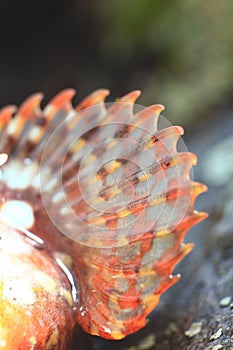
131	97
26	109
147	118
96	97
60	101
122	110
16	125
169	282
6	114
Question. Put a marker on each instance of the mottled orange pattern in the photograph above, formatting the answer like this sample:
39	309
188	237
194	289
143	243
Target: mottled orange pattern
117	226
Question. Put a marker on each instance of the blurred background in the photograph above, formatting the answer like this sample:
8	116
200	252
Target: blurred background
179	53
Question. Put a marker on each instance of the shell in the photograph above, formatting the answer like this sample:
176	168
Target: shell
35	297
107	194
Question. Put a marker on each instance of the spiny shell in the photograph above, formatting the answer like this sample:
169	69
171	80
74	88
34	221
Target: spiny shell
101	186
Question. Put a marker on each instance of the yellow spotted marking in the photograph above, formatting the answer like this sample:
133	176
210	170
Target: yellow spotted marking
122	240
125	213
112	144
67	296
112	166
157	201
144	177
53	341
99	220
35	134
149	143
78	145
162	233
33	340
91	158
115	191
118	335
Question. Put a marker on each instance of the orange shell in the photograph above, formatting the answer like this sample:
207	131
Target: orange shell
35	297
108	191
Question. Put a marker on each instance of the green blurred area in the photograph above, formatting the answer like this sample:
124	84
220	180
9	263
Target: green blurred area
180	52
